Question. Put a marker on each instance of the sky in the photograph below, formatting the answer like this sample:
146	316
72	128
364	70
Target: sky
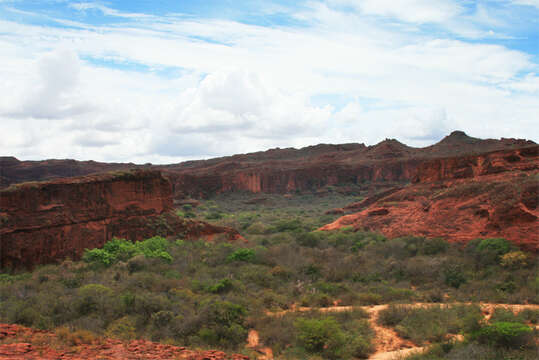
169	81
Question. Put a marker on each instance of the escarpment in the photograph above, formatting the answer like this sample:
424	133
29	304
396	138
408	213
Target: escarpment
459	199
48	221
309	169
459	188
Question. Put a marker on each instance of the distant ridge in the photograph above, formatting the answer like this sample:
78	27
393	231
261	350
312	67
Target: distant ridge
279	170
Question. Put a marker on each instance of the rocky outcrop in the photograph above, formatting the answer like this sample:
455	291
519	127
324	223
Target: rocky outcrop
47	221
470	166
43	222
459	199
14	171
19	342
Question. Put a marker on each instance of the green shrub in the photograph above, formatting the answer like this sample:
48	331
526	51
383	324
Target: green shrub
505	334
288	225
247	255
454	277
489	251
123	250
498	246
321	336
220	287
98	257
162	318
154	247
123	328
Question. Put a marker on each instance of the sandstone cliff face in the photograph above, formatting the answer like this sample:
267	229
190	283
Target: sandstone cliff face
470	166
309	169
44	222
460	199
280	179
283	170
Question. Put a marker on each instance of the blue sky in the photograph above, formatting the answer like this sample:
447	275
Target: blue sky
174	80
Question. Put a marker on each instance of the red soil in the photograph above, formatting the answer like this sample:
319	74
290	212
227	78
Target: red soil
18	342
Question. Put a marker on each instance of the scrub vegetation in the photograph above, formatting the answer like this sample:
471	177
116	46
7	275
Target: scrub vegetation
210	294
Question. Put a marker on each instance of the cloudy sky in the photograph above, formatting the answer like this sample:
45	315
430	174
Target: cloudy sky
167	81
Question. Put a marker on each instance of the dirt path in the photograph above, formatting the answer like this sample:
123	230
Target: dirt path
386	339
388	344
253	342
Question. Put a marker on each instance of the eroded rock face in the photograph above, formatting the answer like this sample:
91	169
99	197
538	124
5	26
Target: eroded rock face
460	199
312	168
289	170
44	222
53	220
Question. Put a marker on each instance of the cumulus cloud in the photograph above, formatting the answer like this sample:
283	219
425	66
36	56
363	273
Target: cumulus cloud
51	88
245	87
240	101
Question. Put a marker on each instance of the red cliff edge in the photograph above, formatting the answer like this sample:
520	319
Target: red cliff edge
459	199
48	221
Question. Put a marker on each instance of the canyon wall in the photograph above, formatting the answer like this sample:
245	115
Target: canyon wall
276	179
48	221
42	222
459	199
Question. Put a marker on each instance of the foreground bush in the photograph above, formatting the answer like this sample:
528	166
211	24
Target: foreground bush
505	334
321	336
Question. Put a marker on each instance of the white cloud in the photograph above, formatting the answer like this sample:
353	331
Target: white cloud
526	2
51	88
415	11
249	88
83	6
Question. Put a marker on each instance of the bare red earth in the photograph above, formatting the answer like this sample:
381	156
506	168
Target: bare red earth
459	199
18	342
48	221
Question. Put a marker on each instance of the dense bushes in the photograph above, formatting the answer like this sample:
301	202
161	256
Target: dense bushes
204	294
504	334
433	323
342	335
123	250
321	336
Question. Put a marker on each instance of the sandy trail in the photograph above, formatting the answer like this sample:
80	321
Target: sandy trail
253	342
388	344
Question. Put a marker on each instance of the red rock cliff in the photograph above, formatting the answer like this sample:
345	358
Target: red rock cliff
288	170
460	199
42	222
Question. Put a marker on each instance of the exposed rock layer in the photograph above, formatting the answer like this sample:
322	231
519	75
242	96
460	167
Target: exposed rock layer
281	170
490	189
460	199
44	222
